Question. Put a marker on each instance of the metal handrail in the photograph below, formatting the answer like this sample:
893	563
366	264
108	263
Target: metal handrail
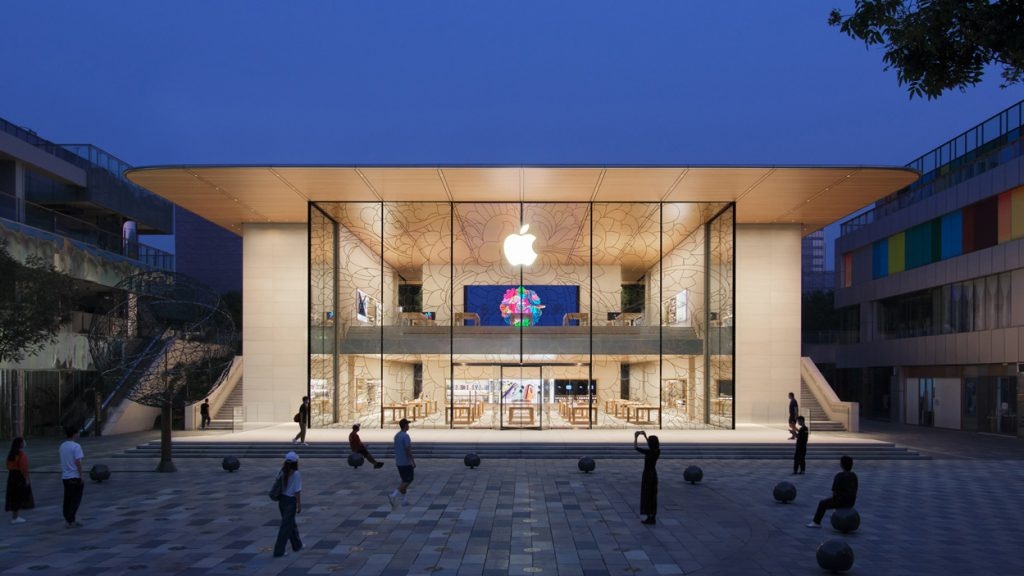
116	391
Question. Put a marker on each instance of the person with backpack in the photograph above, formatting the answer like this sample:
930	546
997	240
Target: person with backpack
289	502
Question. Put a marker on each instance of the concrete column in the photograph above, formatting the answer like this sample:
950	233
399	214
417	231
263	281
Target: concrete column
767	321
274	326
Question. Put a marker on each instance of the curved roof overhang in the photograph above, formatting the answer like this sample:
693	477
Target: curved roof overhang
231	196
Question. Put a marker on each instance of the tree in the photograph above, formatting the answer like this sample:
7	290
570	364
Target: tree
938	45
34	304
166	341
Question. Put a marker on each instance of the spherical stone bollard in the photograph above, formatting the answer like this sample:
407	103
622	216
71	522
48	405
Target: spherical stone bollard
784	492
99	473
845	520
355	459
835	555
230	463
586	464
472	460
693	474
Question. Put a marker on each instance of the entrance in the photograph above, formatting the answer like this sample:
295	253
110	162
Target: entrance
521	402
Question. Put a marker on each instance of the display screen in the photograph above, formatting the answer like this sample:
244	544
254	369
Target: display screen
526	305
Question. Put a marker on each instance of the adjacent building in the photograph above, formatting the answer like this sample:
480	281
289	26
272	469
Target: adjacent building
72	205
931	289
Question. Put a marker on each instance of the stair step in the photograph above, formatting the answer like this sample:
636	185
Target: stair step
456	450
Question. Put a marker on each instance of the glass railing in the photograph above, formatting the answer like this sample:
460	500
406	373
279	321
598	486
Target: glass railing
43	144
36	216
100	158
985	146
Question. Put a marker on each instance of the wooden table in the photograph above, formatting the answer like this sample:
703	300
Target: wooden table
623	407
465	318
395	409
418	409
459	414
416	319
645	409
722	405
518	413
578	414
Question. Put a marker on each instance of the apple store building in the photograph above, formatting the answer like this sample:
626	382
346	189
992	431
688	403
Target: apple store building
521	297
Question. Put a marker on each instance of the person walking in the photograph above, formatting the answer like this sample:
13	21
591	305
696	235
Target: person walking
404	461
204	413
649	480
357	446
794	408
844	492
800	456
71	457
19	486
289	504
303	419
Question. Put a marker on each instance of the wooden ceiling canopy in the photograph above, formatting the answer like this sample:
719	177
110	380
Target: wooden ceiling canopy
625	226
231	196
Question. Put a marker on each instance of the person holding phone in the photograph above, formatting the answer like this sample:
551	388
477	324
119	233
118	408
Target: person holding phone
649	480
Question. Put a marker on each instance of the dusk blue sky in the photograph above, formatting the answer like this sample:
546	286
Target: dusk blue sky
463	82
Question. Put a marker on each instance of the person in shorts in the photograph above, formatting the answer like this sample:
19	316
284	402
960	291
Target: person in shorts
405	462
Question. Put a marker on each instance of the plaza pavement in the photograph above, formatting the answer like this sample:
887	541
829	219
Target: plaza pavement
955	514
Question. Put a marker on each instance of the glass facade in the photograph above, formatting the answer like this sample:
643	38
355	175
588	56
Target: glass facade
979	304
625	318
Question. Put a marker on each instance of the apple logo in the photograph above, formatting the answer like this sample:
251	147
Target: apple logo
519	248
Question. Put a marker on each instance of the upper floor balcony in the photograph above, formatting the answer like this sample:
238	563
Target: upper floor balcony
991	143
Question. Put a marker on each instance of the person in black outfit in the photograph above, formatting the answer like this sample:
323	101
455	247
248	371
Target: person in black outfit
844	492
793	409
303	420
204	413
800	456
649	481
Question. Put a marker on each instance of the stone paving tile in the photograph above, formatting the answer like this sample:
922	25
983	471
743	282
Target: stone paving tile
524	517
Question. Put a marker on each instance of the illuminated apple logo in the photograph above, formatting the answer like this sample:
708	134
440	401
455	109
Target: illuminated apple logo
519	248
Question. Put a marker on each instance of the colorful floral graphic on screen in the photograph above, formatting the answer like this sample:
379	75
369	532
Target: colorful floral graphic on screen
521	307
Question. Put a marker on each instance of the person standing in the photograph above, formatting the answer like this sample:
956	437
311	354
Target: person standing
649	480
289	504
204	413
357	446
71	456
844	492
800	456
405	462
794	408
303	419
19	486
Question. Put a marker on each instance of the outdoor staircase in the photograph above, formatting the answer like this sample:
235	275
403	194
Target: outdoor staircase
224	418
186	448
817	420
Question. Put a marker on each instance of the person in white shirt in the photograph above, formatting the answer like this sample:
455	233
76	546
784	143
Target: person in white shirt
289	504
71	456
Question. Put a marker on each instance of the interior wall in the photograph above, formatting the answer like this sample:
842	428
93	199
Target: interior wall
681	269
274	319
767	321
361	270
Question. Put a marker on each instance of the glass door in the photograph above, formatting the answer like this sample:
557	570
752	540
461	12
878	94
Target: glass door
521	398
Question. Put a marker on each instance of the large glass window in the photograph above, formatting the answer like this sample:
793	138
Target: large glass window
980	304
424	310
